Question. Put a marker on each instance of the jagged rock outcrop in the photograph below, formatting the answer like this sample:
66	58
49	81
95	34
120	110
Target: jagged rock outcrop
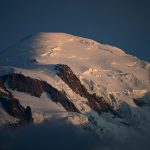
143	101
23	84
15	109
60	97
36	87
95	102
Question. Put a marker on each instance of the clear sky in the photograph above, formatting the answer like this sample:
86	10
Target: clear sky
121	23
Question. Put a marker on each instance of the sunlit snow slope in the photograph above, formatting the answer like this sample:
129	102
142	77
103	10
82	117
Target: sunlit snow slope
105	65
107	71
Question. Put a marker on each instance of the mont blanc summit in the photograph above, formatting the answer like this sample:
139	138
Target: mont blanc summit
97	87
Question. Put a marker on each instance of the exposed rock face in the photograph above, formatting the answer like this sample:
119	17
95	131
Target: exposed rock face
36	87
60	97
12	105
15	109
95	102
67	75
143	101
25	84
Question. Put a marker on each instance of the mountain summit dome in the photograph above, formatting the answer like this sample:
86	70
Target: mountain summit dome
48	76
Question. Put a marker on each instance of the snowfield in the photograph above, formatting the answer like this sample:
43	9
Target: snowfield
104	70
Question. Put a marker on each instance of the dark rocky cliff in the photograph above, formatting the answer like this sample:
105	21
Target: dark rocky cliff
36	87
95	102
13	107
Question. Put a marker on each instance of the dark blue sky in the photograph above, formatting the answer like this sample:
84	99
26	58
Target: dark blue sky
122	23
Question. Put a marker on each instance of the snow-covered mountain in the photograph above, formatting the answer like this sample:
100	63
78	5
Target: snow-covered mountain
99	87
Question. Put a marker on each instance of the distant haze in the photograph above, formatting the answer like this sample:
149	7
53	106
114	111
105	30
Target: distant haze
120	23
